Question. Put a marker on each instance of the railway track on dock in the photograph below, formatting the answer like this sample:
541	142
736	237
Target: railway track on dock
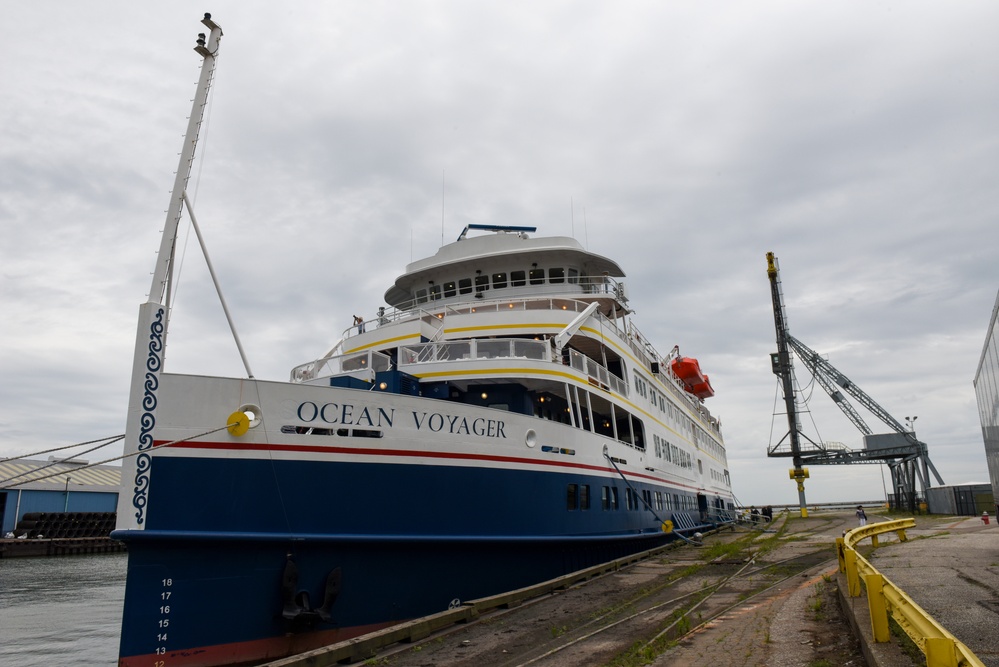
646	612
657	623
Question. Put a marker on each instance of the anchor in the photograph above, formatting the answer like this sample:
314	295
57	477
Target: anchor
297	605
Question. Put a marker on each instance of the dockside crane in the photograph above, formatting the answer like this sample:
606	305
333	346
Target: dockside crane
783	369
906	456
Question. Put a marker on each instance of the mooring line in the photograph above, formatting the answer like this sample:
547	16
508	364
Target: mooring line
112	438
117	458
58	461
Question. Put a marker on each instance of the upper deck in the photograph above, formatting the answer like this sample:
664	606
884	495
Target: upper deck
505	263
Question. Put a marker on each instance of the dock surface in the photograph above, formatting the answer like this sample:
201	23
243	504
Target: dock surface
755	596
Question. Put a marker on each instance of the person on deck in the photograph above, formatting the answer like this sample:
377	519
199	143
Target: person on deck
861	515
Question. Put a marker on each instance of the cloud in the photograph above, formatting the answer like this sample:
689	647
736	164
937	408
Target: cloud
856	141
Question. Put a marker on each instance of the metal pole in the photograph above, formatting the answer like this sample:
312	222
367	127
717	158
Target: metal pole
218	288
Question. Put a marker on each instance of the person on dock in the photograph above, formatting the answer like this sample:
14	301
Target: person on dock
861	515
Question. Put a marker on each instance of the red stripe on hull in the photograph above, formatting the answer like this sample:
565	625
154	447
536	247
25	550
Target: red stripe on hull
251	652
460	456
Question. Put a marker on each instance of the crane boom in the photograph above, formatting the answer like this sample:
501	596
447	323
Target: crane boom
829	378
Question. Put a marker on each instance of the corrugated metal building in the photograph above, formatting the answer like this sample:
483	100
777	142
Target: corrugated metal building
68	489
987	392
961	499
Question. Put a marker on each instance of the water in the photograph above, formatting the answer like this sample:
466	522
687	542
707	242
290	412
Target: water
61	611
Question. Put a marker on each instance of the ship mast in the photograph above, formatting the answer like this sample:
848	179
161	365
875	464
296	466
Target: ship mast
150	339
164	263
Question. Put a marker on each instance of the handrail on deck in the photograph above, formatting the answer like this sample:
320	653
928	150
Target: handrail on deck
941	648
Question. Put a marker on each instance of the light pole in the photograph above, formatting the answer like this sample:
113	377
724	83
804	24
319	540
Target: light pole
910	423
65	507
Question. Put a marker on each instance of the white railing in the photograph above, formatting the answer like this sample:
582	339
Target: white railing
473	348
345	364
491	301
597	372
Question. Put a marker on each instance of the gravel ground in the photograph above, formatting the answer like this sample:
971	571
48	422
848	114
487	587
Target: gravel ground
798	623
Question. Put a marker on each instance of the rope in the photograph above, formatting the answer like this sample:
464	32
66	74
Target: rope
645	502
119	458
56	449
86	451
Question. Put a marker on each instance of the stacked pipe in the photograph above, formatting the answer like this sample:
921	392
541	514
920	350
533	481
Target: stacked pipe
61	525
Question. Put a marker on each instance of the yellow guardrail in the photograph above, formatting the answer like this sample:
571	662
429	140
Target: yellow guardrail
941	648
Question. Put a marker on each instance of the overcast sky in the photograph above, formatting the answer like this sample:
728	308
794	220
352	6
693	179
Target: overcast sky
856	140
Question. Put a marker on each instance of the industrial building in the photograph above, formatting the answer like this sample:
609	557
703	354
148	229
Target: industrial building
30	486
987	391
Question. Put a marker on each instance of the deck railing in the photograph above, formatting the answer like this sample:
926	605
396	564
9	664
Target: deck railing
473	348
941	648
357	362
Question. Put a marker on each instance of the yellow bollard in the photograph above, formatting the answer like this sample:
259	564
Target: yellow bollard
879	609
940	652
852	579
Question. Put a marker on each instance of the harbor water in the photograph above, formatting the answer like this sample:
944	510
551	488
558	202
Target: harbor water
60	611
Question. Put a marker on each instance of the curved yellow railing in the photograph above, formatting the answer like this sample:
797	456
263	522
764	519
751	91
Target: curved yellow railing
941	648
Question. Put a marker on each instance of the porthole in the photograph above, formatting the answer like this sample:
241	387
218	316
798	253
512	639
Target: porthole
531	439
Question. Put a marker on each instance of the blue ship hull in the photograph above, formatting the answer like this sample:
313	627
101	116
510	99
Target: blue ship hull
208	577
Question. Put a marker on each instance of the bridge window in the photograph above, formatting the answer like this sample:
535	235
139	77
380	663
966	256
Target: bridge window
537	276
556	275
449	288
518	278
481	283
499	280
465	286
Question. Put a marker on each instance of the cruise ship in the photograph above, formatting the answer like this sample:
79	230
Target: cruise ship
499	421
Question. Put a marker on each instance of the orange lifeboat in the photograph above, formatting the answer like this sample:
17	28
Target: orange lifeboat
703	390
694	380
688	370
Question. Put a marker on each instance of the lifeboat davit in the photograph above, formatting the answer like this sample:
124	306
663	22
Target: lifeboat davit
694	380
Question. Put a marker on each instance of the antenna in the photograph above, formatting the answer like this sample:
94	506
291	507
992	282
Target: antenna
442	207
572	218
586	231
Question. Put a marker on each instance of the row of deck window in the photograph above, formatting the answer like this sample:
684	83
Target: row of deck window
672	454
577	497
665	406
709	444
499	280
